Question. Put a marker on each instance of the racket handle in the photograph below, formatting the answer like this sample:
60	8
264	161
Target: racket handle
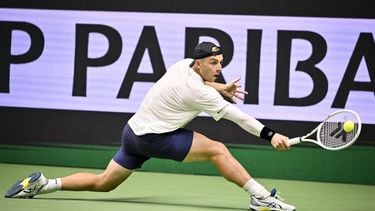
294	141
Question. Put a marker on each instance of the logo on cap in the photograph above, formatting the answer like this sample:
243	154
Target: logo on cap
215	51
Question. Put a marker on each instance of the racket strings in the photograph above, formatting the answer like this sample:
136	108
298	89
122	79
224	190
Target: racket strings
332	134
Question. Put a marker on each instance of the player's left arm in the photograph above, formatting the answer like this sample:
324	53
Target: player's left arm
230	91
253	126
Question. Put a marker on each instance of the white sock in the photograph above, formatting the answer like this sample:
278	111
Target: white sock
254	188
51	186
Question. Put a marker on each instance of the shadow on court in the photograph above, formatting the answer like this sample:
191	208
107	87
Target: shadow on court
151	200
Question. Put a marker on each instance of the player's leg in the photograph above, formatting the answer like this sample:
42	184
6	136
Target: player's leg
118	169
108	180
37	183
203	149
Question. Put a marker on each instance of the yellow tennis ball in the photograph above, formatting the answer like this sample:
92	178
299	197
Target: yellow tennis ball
348	126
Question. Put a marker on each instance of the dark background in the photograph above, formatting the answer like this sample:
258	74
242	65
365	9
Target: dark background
316	8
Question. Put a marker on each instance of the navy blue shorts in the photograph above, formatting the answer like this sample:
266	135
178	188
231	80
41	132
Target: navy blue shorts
135	150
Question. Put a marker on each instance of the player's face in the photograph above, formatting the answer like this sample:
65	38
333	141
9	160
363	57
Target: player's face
210	67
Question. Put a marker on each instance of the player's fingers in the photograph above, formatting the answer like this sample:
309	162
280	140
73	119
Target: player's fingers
276	146
281	146
285	146
238	97
242	92
236	80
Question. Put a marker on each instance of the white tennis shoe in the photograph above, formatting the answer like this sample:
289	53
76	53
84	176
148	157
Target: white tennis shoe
271	202
27	188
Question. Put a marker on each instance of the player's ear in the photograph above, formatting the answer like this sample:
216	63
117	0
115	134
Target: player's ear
197	63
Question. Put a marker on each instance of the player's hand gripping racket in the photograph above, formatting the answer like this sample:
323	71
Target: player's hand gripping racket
338	131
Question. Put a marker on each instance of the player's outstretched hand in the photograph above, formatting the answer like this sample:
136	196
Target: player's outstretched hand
230	91
280	142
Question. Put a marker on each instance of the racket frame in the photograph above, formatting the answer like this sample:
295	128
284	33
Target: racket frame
317	129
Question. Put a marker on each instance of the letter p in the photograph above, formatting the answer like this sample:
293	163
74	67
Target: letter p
6	57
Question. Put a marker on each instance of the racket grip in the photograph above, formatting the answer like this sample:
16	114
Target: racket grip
294	141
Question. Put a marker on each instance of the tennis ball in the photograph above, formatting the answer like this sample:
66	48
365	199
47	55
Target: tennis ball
348	126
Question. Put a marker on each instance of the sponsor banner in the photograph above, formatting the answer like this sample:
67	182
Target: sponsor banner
295	68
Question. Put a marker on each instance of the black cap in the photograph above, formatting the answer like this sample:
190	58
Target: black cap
205	49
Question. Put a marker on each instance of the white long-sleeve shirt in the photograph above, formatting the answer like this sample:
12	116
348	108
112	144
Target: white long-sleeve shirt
178	97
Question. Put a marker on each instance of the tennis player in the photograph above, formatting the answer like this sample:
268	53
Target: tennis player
157	130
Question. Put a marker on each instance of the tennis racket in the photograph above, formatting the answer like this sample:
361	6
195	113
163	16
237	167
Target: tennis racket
330	134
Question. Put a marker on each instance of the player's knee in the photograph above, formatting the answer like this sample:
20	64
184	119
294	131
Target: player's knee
220	149
107	188
105	184
103	187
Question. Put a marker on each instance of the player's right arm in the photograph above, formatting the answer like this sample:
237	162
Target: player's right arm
253	126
